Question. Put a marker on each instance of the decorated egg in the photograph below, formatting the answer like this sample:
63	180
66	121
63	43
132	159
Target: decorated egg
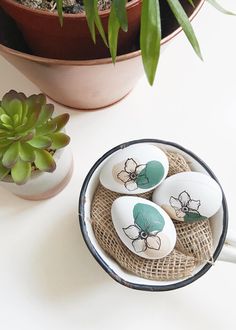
145	228
135	169
189	196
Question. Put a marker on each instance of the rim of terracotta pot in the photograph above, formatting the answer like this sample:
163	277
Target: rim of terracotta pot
107	60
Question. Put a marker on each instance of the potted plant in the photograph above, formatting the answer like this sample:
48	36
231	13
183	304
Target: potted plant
71	40
33	164
98	83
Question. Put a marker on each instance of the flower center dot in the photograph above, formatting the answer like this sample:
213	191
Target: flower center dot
133	176
143	235
185	209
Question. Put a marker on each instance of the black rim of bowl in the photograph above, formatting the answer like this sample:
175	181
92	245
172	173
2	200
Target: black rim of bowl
104	265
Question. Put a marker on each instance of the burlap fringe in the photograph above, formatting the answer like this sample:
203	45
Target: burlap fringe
194	241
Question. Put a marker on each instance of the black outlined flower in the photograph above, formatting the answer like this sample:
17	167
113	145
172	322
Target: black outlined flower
130	174
142	240
184	205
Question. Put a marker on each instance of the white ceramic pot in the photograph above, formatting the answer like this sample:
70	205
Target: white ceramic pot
43	185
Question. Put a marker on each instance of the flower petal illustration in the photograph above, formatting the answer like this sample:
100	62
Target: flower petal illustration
132	232
123	176
179	213
184	198
130	165
175	203
139	168
139	245
131	185
154	242
194	205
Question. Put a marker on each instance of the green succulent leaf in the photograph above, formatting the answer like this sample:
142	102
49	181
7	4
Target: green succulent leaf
2	111
113	32
184	22
45	114
4	143
21	172
44	161
47	128
121	13
98	23
220	8
61	121
6	120
14	107
40	142
3	171
26	153
11	156
150	37
31	122
59	140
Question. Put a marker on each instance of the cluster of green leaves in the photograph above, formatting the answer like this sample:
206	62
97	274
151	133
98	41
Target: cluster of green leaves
27	135
150	33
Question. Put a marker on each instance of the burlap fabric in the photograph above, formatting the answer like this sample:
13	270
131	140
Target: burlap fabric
194	241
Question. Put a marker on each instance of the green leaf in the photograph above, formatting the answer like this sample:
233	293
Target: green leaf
26	153
11	156
60	11
148	218
191	217
61	121
21	172
44	161
150	37
93	18
184	22
121	13
113	32
40	142
191	3
59	140
45	114
99	23
220	8
47	128
2	111
31	122
89	11
4	143
151	175
3	171
6	120
14	107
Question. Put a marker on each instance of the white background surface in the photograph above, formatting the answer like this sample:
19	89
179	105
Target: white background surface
48	279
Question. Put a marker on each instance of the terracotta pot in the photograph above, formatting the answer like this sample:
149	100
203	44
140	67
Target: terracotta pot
45	37
90	84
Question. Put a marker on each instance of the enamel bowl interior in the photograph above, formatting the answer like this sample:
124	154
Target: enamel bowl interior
218	223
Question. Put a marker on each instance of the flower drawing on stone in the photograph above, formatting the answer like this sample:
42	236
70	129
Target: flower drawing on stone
143	176
130	174
185	207
148	222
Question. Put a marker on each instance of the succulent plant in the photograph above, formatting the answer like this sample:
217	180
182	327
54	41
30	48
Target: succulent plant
29	135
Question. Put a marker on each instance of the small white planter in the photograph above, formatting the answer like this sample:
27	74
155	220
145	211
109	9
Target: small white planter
43	185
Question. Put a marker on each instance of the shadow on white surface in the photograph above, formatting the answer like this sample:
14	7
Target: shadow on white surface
61	266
